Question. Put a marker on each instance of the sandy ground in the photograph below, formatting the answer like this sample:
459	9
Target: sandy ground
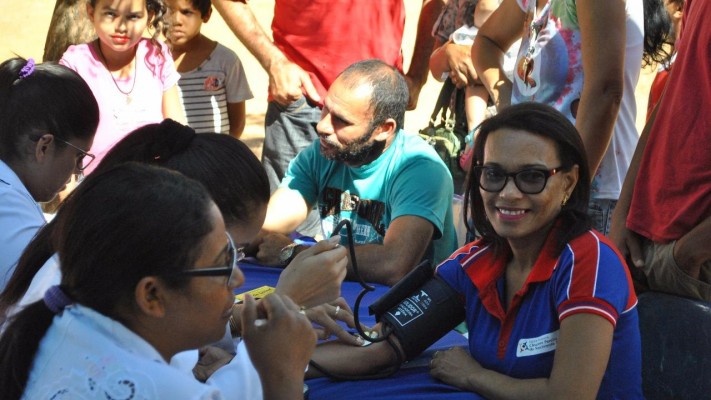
23	29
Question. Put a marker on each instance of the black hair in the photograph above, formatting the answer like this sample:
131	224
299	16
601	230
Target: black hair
51	99
658	29
543	120
390	93
117	227
232	174
228	169
203	6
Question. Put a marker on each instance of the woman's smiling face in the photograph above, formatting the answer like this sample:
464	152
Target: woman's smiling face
515	216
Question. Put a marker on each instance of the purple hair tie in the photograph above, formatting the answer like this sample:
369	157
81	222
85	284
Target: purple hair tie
27	69
56	300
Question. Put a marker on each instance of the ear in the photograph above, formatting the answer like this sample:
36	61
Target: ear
150	296
385	130
571	179
207	15
41	149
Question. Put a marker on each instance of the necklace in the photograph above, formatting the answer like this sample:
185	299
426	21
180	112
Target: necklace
135	77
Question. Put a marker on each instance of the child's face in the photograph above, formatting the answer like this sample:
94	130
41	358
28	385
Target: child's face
184	21
119	24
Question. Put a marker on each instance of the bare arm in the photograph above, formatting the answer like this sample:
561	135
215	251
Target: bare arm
603	32
483	10
171	106
624	239
416	75
361	360
499	32
286	210
236	112
404	245
286	79
580	361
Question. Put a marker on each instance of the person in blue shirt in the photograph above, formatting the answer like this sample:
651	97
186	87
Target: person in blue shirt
48	118
549	304
393	186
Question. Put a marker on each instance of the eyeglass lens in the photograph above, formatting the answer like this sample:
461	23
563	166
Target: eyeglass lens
529	181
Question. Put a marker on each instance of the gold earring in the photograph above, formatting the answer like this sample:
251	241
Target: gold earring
565	200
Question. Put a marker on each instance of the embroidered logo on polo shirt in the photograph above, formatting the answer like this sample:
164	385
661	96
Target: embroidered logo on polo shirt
538	345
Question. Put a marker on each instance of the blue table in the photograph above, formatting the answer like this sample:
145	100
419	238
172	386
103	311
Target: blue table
413	381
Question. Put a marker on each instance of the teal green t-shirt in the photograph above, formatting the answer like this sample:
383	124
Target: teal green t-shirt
409	178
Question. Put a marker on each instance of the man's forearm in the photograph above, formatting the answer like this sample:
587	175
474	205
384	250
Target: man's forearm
241	21
424	42
377	263
625	199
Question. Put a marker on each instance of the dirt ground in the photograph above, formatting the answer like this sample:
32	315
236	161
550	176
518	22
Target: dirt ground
23	29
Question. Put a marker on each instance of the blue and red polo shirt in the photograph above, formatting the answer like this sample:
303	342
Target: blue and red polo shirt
589	276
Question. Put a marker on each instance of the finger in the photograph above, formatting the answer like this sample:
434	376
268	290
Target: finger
635	251
324	246
345	316
321	333
471	71
309	88
249	313
347	337
461	79
289	304
273	305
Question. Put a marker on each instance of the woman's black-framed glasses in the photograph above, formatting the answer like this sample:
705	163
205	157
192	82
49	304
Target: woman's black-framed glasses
235	256
86	157
527	180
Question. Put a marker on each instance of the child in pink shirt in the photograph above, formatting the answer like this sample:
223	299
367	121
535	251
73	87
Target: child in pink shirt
133	78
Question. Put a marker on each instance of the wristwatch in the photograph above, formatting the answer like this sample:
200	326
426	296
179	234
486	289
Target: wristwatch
287	253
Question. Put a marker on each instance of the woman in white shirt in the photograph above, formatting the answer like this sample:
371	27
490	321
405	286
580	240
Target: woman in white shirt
152	277
48	116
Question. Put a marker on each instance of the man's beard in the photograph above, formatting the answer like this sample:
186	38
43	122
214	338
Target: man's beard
358	152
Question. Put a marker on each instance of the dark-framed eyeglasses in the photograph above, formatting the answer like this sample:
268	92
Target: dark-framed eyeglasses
527	180
235	256
86	157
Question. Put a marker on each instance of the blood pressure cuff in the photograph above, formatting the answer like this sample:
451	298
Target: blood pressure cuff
422	315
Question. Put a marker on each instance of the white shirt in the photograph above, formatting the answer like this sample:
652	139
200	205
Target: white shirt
206	91
47	276
20	219
86	355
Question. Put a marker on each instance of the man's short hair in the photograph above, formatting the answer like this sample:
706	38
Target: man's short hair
203	6
389	95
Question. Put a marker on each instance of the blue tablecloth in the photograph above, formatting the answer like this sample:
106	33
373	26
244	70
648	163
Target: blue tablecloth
413	381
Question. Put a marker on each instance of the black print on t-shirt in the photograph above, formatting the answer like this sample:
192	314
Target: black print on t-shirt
334	200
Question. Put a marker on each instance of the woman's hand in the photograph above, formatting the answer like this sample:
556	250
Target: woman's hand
280	342
315	275
326	316
454	367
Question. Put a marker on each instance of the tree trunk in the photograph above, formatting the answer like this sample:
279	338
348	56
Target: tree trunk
70	25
